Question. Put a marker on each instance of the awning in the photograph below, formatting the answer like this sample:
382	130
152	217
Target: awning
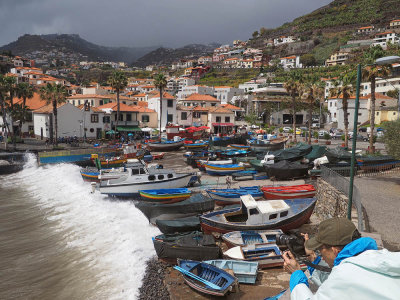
128	128
222	124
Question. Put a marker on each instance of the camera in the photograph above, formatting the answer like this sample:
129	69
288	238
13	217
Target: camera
294	242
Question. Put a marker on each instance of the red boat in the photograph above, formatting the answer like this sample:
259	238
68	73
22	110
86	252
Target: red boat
158	155
288	192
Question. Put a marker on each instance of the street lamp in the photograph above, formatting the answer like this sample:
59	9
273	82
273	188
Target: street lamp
380	61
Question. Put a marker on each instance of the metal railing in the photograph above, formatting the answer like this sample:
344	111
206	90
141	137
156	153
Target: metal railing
342	184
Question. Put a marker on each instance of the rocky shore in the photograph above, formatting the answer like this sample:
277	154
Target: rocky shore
153	282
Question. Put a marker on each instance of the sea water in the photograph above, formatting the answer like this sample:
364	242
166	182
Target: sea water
60	241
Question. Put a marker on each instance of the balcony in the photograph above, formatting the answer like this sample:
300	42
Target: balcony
126	123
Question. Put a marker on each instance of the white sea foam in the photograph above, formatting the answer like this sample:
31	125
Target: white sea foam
113	235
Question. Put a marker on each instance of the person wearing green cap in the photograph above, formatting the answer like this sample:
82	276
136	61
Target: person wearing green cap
359	269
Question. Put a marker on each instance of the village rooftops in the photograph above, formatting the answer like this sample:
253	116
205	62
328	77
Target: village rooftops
124	108
201	97
166	96
231	107
33	103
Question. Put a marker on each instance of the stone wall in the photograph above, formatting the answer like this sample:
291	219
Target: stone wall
331	202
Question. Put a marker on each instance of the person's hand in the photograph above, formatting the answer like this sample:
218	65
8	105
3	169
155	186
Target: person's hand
311	255
290	265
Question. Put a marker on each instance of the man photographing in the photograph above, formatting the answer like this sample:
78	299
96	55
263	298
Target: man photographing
359	269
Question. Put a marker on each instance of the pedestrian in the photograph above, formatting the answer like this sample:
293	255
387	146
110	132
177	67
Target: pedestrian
228	182
358	269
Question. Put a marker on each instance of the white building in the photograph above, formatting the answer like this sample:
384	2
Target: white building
284	40
382	39
168	108
194	89
290	62
226	93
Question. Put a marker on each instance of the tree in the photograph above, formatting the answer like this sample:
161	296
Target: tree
344	88
293	86
10	87
255	34
160	81
308	60
19	113
3	106
370	73
24	91
391	138
118	82
54	94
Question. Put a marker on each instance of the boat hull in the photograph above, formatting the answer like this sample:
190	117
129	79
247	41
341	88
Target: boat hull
220	170
132	189
222	200
165	146
166	197
245	272
210	225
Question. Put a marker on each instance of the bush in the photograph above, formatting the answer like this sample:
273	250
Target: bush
281	130
316	134
327	136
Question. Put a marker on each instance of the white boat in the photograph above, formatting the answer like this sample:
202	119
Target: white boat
217	162
243	238
142	178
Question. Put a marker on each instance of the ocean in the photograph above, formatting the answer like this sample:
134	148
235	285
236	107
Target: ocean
60	241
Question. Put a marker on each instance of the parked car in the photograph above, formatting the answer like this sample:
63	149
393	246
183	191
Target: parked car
298	131
337	134
322	133
286	129
360	137
362	129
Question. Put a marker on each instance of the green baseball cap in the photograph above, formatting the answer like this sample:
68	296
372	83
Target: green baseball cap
332	232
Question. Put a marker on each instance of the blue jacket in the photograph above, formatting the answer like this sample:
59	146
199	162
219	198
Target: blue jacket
360	272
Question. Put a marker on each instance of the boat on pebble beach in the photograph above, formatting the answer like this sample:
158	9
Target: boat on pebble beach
289	192
224	197
250	237
244	271
220	170
165	195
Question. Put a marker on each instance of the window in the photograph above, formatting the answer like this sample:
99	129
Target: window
145	118
92	102
184	115
170	103
196	115
359	114
213	104
377	113
273	216
91	129
160	177
79	102
284	213
94	118
227	119
121	117
330	104
394	113
129	117
253	211
170	118
170	175
152	177
218	119
101	102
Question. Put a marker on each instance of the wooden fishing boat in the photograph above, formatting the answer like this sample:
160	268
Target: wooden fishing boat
206	278
259	215
196	146
179	225
243	238
157	156
267	255
231	153
196	204
244	175
219	170
112	162
165	145
289	192
165	195
244	271
265	145
239	147
224	197
193	245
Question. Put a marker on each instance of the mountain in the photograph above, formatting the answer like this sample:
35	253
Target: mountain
342	15
165	56
72	47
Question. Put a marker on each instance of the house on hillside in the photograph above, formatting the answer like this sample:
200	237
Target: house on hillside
366	30
291	62
283	40
168	108
337	58
394	24
194	89
202	100
226	93
382	39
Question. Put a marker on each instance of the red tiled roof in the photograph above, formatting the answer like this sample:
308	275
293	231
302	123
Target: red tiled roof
165	95
124	107
231	107
220	110
33	103
200	97
48	109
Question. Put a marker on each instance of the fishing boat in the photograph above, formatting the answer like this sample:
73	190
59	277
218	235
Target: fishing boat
372	163
196	204
224	197
265	145
112	162
201	162
239	147
165	195
285	170
289	192
196	146
244	271
157	156
206	278
141	178
244	175
259	215
267	255
231	153
179	225
165	145
193	245
243	238
215	169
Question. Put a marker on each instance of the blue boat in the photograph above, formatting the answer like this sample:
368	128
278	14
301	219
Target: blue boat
206	278
244	175
165	195
216	169
224	197
80	156
244	271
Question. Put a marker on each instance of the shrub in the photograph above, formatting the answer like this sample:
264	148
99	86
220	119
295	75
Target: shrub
327	136
281	129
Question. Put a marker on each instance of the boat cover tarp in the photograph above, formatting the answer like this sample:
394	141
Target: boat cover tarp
316	152
292	154
196	204
338	154
286	170
194	246
179	225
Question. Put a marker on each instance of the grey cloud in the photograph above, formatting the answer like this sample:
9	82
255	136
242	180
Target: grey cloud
148	22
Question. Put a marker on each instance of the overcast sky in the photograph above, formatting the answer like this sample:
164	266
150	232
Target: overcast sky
170	23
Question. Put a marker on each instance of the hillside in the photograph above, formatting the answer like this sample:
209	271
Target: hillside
165	56
71	47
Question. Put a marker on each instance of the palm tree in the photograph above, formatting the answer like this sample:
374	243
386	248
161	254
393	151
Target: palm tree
313	92
54	94
370	73
24	91
10	86
344	88
160	81
118	82
3	106
293	86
